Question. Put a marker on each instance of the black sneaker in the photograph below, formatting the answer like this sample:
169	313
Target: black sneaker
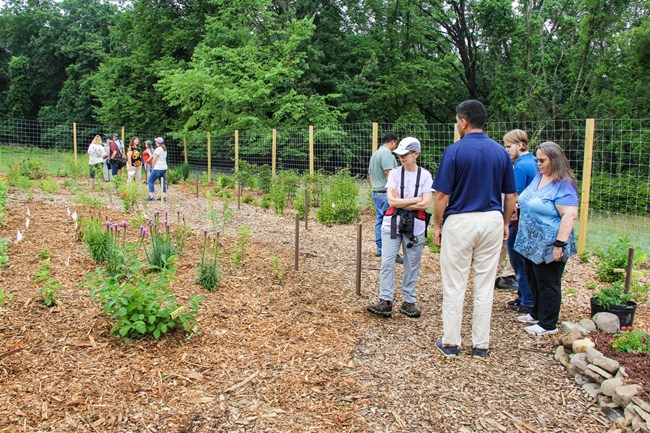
151	199
513	302
382	308
399	259
409	309
506	283
448	351
480	353
378	254
520	308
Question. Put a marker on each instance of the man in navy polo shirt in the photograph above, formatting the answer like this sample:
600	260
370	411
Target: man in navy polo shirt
474	172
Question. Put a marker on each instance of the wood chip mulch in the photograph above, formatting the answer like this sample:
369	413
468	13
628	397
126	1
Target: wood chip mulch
290	353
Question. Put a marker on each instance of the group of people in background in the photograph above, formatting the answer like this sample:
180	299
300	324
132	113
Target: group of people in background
111	158
487	195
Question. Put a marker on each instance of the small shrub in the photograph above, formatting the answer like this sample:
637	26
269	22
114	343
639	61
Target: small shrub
131	194
239	250
48	286
278	271
613	260
141	303
265	201
283	190
340	200
22	182
5	297
87	201
165	245
265	178
98	238
209	267
184	169
223	181
73	170
174	176
631	341
31	168
613	296
49	185
246	174
247	199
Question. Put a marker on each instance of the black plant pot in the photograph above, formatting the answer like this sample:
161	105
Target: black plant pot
625	314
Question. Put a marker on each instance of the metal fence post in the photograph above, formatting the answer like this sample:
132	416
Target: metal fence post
586	185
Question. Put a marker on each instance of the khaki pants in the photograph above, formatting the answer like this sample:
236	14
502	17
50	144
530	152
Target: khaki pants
469	240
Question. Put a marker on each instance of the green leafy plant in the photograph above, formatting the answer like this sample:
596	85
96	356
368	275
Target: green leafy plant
209	267
184	170
141	303
278	271
22	182
223	181
87	201
98	238
246	174
48	286
265	201
5	297
4	196
164	245
613	260
340	203
49	185
283	190
71	169
4	258
265	178
131	194
174	176
239	250
219	219
31	168
248	199
613	296
631	341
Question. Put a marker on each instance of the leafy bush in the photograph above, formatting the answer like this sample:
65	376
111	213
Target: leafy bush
283	190
21	182
131	194
631	341
614	258
73	170
223	181
613	296
265	178
49	185
141	302
31	168
265	201
85	200
246	174
340	200
98	238
209	267
165	246
626	194
174	176
184	169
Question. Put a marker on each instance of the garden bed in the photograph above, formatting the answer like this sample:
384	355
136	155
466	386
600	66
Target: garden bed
293	354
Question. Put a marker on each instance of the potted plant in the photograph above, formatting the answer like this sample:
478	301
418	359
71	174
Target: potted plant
616	300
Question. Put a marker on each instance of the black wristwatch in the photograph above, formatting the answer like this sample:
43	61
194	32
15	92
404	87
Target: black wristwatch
559	243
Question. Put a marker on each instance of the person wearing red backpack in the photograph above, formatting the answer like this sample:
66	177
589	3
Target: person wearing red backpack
410	193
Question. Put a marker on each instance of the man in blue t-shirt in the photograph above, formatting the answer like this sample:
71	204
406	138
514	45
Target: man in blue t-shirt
516	143
474	172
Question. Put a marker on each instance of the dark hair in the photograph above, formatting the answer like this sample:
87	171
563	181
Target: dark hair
474	112
388	137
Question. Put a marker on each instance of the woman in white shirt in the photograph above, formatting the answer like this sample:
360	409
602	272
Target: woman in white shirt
159	165
96	155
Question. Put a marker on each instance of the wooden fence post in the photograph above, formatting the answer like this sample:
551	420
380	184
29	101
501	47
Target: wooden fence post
456	133
209	158
274	150
236	151
375	136
185	149
74	142
586	185
122	135
311	149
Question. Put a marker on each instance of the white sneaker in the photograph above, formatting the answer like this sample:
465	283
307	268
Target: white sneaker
527	319
538	330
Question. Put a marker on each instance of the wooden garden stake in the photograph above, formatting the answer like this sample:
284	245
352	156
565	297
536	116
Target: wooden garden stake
628	269
239	195
306	207
358	279
295	259
197	184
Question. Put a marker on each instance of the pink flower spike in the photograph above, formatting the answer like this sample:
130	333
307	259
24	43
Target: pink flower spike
166	213
117	229
108	224
144	232
125	224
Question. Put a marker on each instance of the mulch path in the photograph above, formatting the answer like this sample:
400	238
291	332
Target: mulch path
296	353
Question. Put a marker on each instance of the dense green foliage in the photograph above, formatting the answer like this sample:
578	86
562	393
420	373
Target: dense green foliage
340	200
613	260
218	65
637	341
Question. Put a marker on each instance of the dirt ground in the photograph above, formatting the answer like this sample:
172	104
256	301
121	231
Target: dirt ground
291	354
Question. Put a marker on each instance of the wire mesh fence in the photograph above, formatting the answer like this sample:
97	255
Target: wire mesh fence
619	189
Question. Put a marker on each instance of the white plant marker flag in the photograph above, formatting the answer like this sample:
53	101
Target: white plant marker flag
27	223
19	236
68	211
28	213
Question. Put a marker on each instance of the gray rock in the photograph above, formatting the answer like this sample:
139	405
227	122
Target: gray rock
571	369
638	424
569	337
561	356
600	371
595	377
607	322
603	400
570	325
642	413
580	346
611	413
592	354
623	394
644	405
607	364
622	372
588	324
608	386
579	360
592	389
581	380
629	413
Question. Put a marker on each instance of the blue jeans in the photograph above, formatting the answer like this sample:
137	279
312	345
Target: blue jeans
517	263
154	176
380	201
114	168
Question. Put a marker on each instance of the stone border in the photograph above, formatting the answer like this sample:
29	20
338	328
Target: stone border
603	378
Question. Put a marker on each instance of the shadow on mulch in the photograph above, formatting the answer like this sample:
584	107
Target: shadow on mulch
637	365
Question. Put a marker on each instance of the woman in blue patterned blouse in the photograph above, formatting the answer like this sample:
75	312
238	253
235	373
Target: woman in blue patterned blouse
548	210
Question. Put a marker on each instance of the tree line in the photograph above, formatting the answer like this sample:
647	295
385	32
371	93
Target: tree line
220	65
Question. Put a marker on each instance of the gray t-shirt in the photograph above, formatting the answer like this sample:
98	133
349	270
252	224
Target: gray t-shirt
381	160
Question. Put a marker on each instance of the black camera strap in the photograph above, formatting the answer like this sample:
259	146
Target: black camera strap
393	220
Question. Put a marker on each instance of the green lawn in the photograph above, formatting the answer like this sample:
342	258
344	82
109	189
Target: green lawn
54	159
604	229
